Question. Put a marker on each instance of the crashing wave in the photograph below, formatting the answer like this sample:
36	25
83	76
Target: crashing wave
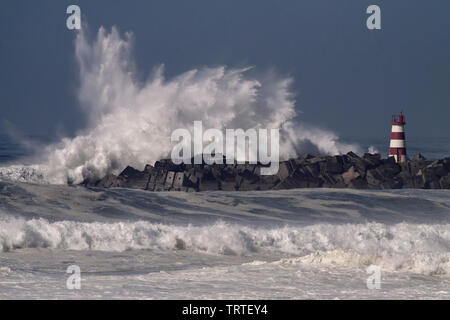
130	121
401	247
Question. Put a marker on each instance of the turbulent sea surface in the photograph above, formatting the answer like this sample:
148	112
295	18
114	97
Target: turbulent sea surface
309	243
304	243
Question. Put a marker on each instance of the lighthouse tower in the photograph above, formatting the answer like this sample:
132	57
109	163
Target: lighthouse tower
397	148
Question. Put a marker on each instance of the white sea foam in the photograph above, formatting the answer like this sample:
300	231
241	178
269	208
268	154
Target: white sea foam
372	150
407	247
130	121
19	173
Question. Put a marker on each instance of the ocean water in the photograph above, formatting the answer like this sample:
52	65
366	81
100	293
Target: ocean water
431	148
290	244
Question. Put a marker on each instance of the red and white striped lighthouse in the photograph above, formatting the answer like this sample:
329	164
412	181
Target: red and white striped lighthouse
397	148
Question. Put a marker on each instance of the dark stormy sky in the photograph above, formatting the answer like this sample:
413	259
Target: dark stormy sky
346	78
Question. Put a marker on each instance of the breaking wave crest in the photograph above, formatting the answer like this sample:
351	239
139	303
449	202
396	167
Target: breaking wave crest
402	247
130	121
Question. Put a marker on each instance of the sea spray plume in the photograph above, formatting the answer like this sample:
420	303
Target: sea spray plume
130	121
301	138
372	150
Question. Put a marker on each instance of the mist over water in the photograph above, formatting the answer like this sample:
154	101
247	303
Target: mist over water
130	121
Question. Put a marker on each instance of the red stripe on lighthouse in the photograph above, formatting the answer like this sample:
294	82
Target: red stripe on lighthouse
398	135
395	151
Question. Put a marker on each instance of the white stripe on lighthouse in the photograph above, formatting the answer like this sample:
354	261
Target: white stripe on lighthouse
397	143
397	128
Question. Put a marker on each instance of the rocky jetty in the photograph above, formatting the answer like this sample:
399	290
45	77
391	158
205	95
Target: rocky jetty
341	171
